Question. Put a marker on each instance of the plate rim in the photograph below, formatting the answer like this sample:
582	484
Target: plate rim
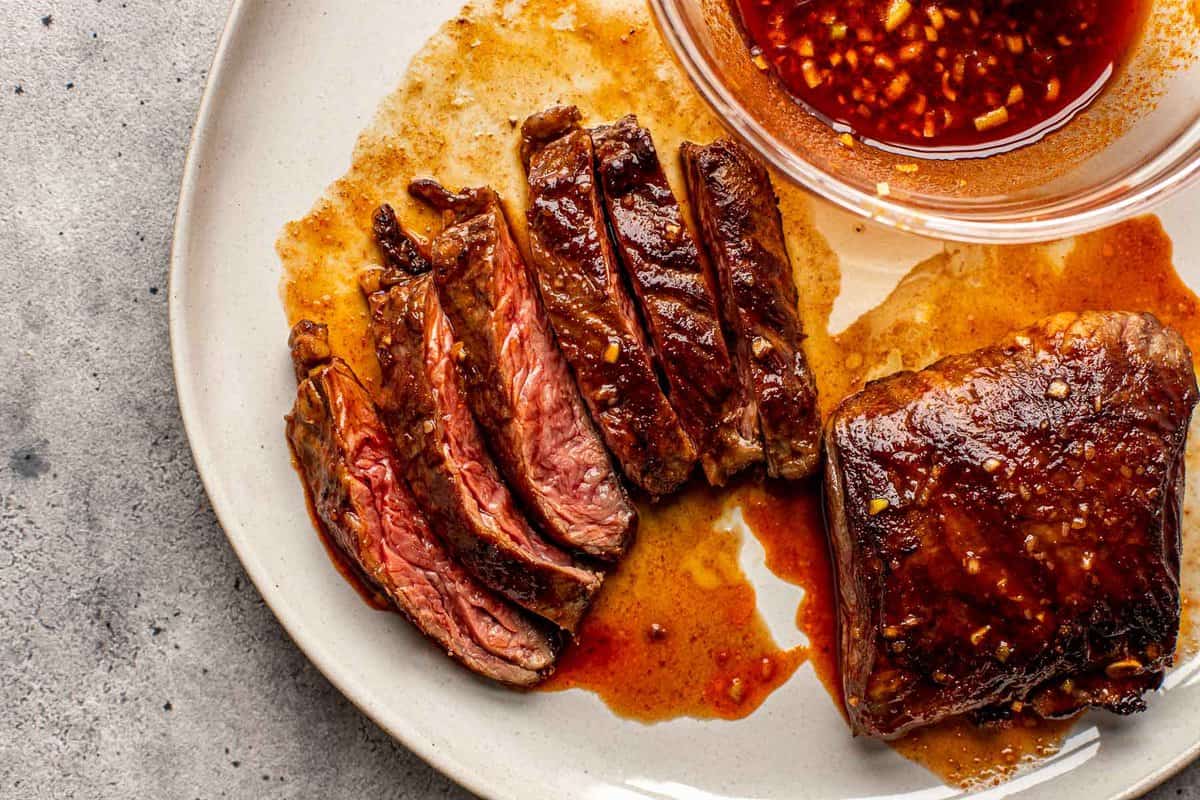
444	762
464	774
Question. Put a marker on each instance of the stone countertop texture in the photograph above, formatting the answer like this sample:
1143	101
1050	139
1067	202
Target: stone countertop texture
136	660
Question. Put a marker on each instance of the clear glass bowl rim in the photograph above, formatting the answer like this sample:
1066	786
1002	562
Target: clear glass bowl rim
1166	173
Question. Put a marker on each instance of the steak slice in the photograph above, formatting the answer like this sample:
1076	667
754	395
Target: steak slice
673	288
446	462
739	216
590	309
1005	525
352	477
518	384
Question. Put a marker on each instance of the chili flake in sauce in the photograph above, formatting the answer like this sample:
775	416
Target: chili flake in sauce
965	77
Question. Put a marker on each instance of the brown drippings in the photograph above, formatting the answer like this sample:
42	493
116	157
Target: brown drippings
970	296
786	519
676	631
453	118
964	754
333	298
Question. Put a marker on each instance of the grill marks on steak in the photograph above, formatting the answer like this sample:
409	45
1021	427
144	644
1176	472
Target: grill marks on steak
1005	524
590	309
739	216
670	282
519	385
446	463
350	471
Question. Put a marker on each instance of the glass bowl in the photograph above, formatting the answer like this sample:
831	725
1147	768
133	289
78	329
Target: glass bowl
1138	143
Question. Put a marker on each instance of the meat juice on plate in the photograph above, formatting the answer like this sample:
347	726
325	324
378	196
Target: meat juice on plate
676	631
949	77
786	519
959	300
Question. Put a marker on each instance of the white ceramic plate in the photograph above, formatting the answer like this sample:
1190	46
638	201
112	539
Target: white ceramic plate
293	84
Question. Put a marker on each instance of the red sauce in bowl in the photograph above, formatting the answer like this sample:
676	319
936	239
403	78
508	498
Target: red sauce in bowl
943	78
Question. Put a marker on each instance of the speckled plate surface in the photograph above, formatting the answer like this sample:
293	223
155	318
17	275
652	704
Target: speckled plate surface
292	85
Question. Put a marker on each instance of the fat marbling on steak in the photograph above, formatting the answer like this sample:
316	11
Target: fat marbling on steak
1005	525
739	218
518	384
352	476
671	284
446	462
591	311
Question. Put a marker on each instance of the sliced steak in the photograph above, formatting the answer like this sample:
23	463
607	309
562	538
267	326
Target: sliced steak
518	384
446	462
1005	525
593	317
673	288
352	478
739	216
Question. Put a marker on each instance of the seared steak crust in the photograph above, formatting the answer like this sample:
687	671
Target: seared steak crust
673	288
401	252
1005	524
739	216
590	309
519	385
446	462
350	471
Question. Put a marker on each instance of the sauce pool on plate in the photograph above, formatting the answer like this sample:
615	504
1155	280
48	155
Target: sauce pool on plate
963	78
676	631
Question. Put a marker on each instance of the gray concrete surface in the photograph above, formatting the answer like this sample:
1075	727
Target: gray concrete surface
135	659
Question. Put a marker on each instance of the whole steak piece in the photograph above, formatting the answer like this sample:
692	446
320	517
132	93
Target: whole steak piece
1005	525
350	470
518	384
739	217
670	283
591	311
446	462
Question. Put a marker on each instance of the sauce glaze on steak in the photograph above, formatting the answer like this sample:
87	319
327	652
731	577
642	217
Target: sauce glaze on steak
739	218
591	311
670	281
1005	525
